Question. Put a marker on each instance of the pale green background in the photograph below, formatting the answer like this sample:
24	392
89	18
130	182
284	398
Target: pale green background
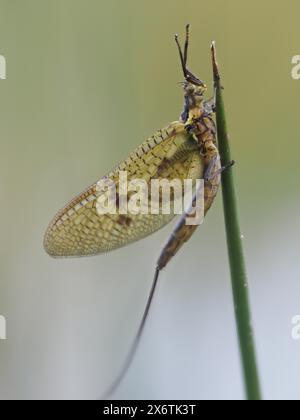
87	81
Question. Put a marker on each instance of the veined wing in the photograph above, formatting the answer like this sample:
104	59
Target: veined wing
78	229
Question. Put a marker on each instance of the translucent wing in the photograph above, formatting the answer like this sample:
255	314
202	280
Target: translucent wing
79	230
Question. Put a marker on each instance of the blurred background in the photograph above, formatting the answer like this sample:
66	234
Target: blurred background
87	81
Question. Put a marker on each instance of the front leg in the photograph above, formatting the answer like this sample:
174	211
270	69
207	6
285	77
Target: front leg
210	105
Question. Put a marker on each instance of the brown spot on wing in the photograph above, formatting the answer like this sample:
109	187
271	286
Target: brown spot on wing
163	166
124	220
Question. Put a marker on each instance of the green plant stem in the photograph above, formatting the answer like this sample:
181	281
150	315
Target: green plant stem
235	250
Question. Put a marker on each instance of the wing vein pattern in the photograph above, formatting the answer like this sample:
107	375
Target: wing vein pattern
78	229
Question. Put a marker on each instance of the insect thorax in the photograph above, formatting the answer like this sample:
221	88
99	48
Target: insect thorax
193	99
201	124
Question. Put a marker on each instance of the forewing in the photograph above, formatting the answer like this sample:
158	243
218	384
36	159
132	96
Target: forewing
79	230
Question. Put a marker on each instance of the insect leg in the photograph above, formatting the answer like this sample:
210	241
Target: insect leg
227	166
210	105
210	174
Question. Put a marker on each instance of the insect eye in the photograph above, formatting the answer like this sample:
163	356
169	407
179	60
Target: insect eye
190	89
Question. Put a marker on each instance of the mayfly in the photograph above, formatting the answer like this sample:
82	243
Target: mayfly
184	149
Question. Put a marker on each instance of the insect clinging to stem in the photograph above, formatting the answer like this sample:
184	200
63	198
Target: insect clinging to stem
184	149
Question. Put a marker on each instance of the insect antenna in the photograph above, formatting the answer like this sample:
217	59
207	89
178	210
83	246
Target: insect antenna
188	75
183	63
136	340
186	44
